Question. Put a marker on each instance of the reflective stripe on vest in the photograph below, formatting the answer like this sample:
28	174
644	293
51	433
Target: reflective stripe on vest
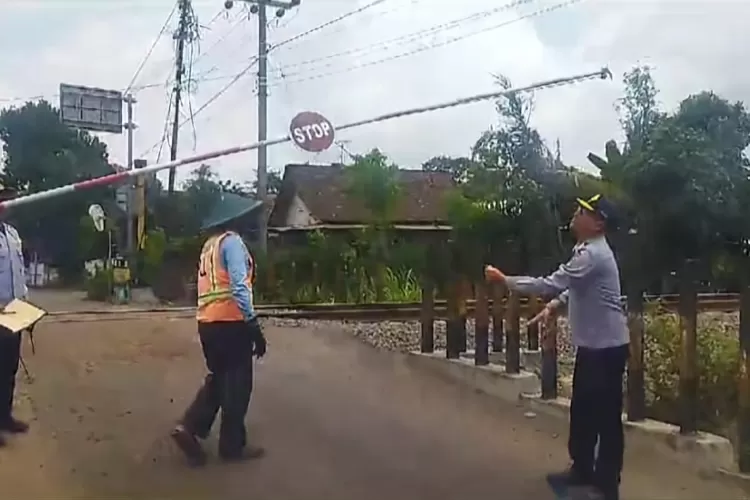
215	301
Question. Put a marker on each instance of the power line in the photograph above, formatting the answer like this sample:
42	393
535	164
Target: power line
211	100
237	21
235	78
325	24
151	49
165	133
409	37
284	80
418	50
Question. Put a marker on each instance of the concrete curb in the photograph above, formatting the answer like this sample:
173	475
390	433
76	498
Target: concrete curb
705	453
491	379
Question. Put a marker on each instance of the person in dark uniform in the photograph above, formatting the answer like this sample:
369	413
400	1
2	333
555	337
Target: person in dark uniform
230	336
589	285
12	286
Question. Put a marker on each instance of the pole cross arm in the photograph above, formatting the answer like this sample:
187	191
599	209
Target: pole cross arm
271	3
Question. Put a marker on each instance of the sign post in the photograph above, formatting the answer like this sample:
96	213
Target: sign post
311	132
101	110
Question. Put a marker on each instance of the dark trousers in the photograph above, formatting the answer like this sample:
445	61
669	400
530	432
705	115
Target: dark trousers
228	349
596	414
10	354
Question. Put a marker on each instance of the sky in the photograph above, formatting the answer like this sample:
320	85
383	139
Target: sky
396	55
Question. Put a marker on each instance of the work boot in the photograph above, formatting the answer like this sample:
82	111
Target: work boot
570	477
248	453
189	445
14	426
609	490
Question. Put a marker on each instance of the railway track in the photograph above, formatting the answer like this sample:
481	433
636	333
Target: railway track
354	312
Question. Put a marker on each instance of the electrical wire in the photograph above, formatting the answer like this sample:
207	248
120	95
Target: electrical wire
236	22
233	77
409	37
151	49
238	76
165	133
326	24
283	80
211	100
213	19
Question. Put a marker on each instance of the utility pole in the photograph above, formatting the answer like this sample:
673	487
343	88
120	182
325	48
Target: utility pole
259	7
182	35
130	212
130	127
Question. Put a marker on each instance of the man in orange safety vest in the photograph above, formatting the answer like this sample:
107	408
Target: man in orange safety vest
230	336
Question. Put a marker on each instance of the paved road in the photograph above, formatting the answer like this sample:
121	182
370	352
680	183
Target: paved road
341	421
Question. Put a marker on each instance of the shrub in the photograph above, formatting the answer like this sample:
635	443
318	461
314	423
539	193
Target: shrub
718	369
98	285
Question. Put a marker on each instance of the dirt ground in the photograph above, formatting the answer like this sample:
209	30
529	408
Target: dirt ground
340	421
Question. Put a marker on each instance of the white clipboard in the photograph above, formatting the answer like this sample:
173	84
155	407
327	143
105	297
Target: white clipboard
20	315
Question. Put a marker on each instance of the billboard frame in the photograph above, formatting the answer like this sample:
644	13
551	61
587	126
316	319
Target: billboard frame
92	109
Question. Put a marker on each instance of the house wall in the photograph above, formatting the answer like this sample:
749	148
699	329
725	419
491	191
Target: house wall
299	215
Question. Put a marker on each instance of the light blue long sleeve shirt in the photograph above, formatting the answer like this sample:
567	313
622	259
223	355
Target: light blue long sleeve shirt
12	269
236	260
589	283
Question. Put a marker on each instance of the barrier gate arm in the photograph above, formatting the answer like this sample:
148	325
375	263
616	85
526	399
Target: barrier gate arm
106	180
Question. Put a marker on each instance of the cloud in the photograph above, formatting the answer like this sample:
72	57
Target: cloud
693	45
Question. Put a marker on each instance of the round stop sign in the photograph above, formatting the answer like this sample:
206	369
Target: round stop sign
311	132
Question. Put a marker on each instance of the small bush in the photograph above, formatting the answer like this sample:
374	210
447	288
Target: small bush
718	369
98	285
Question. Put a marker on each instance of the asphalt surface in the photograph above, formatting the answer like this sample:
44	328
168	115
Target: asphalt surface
340	421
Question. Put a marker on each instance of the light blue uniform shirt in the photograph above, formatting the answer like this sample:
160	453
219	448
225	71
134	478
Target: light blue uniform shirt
589	283
12	269
234	256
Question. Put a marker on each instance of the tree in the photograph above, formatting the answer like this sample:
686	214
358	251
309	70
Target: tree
638	108
457	167
374	181
42	153
681	174
513	192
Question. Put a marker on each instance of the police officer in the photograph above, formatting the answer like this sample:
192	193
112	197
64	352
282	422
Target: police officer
589	285
12	286
230	336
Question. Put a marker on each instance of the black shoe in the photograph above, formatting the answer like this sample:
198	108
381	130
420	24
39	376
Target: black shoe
189	445
14	426
608	491
569	478
3	442
249	453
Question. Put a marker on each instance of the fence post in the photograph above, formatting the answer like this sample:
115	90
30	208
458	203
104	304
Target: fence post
498	313
452	325
427	344
464	292
482	325
743	417
636	379
532	331
513	356
549	358
636	391
688	309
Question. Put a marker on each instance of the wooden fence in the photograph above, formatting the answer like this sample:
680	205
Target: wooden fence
498	314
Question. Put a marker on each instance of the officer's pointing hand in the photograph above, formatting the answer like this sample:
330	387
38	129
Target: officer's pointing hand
541	317
492	273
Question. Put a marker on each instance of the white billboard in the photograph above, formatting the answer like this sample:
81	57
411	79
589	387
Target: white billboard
88	108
